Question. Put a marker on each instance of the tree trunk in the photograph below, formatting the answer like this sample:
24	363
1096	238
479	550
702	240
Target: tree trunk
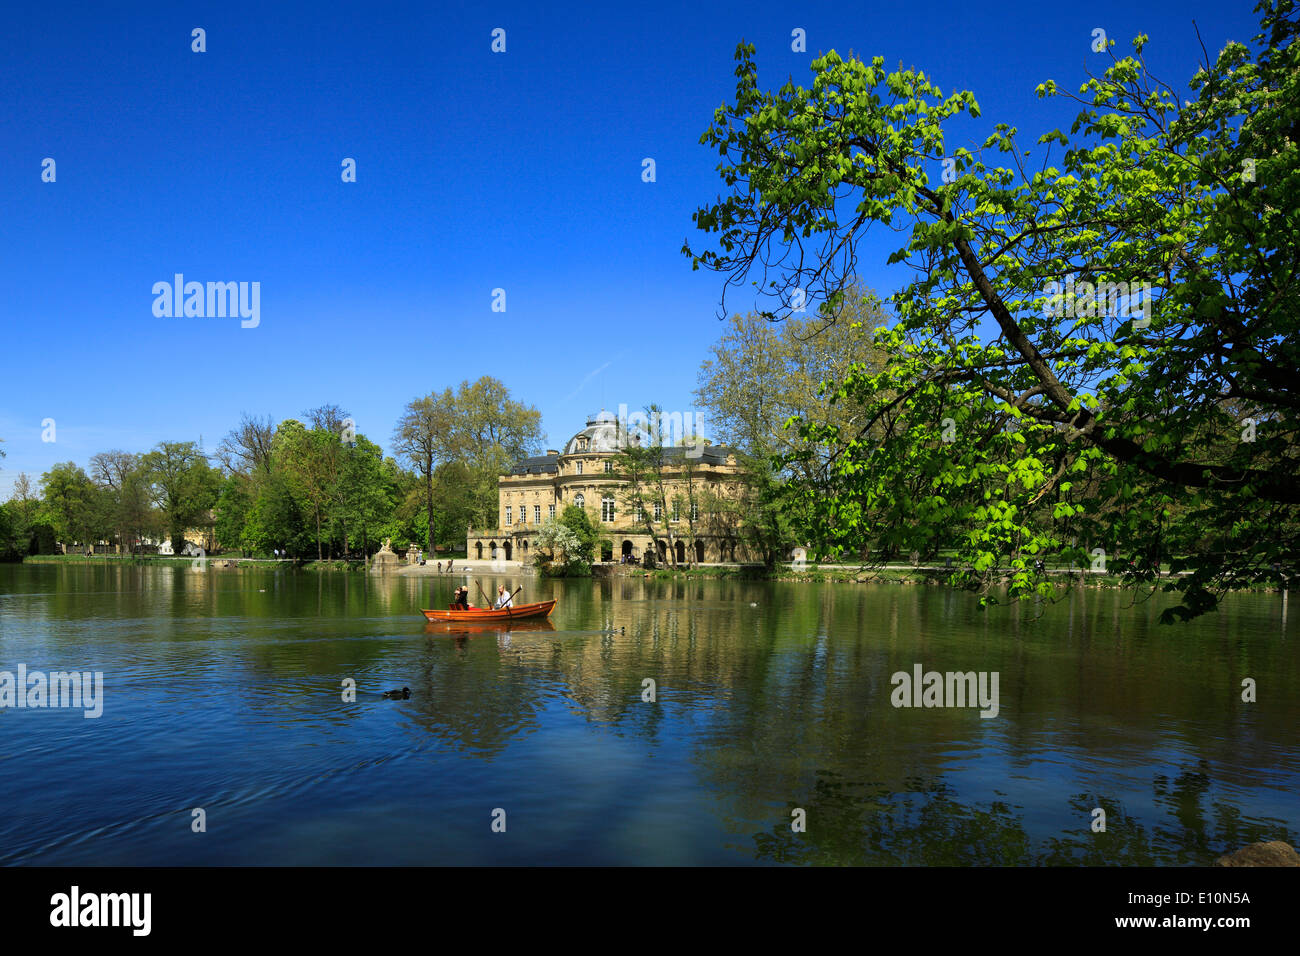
429	500
319	557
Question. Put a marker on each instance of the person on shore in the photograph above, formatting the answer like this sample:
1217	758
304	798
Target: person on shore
504	598
440	567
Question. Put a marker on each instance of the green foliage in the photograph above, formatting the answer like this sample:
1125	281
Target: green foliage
232	508
275	520
23	532
1019	411
563	547
71	504
460	442
182	485
586	533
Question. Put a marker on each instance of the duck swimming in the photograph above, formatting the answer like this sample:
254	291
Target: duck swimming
403	694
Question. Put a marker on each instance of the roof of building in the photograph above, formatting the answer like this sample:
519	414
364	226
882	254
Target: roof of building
711	455
536	465
602	434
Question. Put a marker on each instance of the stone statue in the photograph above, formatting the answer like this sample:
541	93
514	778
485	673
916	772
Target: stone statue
384	558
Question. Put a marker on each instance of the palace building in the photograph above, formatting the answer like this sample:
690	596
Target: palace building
694	520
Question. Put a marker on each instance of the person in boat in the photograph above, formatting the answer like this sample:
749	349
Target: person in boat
462	598
504	598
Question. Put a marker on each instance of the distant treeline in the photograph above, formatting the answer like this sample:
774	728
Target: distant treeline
316	487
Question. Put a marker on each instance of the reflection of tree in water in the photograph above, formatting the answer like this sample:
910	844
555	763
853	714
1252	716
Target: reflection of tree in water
853	823
859	823
476	699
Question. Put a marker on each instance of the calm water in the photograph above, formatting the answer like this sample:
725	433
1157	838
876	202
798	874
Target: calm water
222	691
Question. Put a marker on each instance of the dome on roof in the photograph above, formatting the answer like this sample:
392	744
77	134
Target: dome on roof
600	435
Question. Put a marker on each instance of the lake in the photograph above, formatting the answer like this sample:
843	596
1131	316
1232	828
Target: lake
225	736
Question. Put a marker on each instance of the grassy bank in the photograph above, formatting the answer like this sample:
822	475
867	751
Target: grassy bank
129	559
900	574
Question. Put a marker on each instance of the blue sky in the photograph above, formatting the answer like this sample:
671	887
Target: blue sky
475	171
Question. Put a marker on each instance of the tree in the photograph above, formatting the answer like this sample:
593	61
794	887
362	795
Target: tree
556	537
641	465
231	511
71	504
553	536
367	490
247	448
762	376
275	520
454	486
21	509
490	432
125	495
585	532
422	438
182	485
311	460
478	426
1070	358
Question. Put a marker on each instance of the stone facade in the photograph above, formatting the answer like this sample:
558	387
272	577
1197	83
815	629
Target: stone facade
585	474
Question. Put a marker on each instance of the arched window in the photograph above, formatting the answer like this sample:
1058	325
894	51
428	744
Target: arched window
579	501
478	548
607	508
579	467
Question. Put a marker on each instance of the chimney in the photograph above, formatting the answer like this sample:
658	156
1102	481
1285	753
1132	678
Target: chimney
551	451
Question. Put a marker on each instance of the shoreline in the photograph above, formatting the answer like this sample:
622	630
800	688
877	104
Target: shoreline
900	574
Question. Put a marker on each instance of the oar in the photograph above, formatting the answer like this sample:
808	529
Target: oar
487	600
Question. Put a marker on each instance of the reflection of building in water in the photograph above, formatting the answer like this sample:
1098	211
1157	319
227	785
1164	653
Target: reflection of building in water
699	484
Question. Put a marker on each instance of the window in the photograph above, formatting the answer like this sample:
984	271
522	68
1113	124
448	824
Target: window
537	513
507	514
550	511
579	467
606	509
659	511
640	513
579	501
675	514
695	511
609	467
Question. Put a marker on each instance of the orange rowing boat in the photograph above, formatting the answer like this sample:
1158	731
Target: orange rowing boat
478	615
